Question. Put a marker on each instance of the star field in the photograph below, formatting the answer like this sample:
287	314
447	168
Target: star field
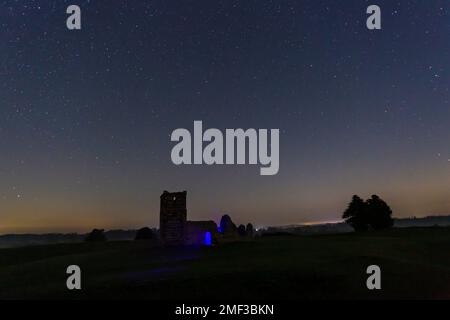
86	115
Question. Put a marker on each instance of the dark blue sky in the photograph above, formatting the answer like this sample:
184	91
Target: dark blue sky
86	116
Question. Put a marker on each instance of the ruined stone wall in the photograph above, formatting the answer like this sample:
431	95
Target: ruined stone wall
195	232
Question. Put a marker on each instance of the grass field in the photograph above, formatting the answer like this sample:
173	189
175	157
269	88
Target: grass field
415	263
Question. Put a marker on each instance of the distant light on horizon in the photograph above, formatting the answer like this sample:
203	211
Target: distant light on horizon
312	223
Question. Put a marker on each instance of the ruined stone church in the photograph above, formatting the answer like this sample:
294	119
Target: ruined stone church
174	227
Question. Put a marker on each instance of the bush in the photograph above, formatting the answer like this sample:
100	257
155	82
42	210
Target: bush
96	235
144	234
250	230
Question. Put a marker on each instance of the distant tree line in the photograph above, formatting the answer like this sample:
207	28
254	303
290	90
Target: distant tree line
374	213
99	235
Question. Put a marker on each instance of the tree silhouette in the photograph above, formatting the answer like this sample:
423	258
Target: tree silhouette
249	230
96	235
356	214
373	213
144	234
379	213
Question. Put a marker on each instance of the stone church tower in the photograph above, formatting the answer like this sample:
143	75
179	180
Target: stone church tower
173	217
174	228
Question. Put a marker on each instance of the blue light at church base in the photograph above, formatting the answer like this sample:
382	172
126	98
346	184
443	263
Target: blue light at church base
207	241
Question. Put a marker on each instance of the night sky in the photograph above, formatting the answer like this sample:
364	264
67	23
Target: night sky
86	115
